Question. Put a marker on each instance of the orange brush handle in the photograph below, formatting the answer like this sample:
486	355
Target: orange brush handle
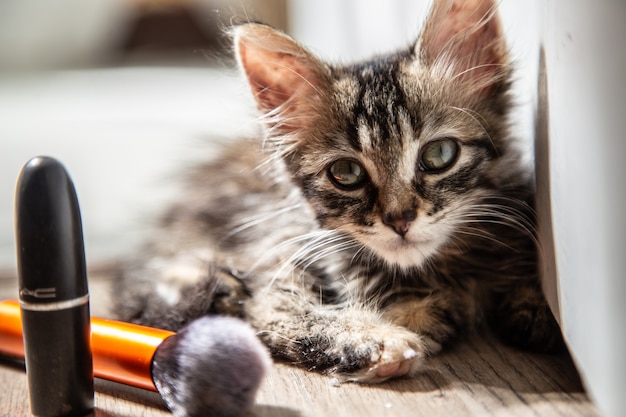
122	352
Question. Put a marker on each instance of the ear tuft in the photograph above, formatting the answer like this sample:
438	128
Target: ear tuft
285	78
465	37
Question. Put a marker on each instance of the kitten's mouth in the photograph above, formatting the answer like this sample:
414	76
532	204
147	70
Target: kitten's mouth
404	251
409	243
411	236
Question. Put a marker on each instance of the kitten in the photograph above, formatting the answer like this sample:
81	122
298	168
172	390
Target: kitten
385	211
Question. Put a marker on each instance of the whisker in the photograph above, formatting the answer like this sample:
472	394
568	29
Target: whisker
474	232
324	242
326	252
496	214
258	219
478	118
278	248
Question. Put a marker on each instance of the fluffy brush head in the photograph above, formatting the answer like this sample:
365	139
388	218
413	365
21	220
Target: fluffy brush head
212	367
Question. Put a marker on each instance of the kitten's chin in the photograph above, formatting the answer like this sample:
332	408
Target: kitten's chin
405	254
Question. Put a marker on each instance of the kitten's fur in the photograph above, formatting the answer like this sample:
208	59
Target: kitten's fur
360	280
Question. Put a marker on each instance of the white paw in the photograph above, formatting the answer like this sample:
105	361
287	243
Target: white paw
398	355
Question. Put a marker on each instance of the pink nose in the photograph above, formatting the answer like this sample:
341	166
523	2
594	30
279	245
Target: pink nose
400	223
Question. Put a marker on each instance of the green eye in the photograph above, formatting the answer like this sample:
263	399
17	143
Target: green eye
347	174
439	155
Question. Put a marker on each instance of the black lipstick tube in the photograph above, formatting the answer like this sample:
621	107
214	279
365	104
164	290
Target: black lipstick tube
53	291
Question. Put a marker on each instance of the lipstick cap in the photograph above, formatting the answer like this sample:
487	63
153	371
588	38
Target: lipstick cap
49	235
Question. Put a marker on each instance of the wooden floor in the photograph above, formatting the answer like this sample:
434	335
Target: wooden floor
478	377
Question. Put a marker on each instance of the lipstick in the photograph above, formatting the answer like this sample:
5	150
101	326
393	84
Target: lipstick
53	293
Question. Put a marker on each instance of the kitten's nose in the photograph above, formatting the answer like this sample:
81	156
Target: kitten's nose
400	223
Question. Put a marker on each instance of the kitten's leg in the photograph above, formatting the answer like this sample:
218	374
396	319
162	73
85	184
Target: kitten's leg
177	290
351	343
523	318
436	317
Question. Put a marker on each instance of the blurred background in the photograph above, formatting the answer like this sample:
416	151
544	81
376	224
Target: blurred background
129	93
126	93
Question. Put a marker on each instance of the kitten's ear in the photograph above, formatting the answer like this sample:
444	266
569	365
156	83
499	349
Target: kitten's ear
464	38
287	80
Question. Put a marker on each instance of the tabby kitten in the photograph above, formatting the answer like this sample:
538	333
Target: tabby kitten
385	211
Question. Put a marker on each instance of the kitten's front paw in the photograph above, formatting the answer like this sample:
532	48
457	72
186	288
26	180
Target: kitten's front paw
381	355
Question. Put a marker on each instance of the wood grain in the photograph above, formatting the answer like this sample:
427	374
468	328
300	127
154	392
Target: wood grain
477	377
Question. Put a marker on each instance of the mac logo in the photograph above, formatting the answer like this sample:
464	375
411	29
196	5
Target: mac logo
39	292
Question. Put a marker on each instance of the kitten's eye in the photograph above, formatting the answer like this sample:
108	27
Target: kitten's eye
439	155
347	174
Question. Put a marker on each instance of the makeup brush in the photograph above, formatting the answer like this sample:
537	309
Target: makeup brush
212	367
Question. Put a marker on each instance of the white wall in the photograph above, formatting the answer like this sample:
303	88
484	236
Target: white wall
586	70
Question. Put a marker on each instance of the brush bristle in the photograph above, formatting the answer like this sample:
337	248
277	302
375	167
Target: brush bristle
212	367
